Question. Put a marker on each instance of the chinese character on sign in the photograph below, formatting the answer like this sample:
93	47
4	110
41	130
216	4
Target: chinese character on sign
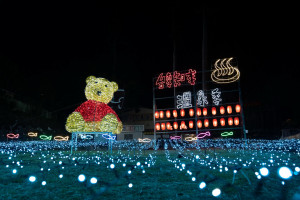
191	76
175	79
184	100
160	82
202	99
216	96
169	80
178	78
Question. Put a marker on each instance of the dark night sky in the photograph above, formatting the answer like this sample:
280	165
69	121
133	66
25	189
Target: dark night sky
48	48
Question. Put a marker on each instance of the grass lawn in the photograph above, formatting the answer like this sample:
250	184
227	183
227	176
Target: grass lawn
135	173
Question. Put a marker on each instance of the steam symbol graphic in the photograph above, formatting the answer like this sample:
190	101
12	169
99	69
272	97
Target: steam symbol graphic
224	72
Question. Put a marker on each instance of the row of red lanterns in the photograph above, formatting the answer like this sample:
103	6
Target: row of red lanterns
168	126
161	114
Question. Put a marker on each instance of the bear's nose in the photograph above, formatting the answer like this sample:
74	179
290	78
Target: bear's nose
99	93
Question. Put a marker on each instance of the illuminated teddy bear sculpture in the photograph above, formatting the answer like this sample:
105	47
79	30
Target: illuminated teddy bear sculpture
95	115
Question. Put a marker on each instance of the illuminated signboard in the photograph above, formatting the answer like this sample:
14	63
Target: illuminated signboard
175	79
224	72
201	112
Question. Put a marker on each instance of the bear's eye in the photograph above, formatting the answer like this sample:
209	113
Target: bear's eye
96	82
106	85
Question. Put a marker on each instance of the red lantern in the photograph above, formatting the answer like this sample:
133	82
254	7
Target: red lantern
182	113
199	124
191	124
163	126
198	111
222	122
236	121
215	122
213	111
206	123
169	127
229	109
222	110
161	114
230	121
168	114
156	115
175	125
191	112
182	125
175	113
204	111
237	108
157	126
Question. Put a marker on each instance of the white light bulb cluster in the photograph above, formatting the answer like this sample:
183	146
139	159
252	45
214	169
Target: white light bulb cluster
190	160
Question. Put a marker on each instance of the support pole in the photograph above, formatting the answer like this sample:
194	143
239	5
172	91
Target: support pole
154	109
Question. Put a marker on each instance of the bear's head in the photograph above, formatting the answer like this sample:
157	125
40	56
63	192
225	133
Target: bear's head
100	89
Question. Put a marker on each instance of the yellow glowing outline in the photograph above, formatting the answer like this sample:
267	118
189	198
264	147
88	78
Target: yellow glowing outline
61	138
145	140
190	139
32	134
221	70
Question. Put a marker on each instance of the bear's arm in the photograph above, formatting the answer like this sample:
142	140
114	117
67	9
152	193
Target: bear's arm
109	123
75	122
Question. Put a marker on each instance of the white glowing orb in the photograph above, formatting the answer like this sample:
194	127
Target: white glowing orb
81	178
193	179
138	164
297	169
129	171
202	185
60	176
93	180
258	176
285	172
216	192
112	166
264	171
130	185
44	183
32	179
14	171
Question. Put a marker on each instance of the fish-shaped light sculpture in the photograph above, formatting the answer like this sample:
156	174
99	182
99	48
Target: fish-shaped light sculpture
203	135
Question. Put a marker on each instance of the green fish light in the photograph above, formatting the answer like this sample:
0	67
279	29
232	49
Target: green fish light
226	134
45	137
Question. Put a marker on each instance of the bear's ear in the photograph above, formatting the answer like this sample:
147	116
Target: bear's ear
90	78
115	86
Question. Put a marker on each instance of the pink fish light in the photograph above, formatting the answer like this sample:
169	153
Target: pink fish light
203	135
177	137
12	136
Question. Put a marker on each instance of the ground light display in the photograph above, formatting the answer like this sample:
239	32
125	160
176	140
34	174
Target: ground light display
191	105
169	169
